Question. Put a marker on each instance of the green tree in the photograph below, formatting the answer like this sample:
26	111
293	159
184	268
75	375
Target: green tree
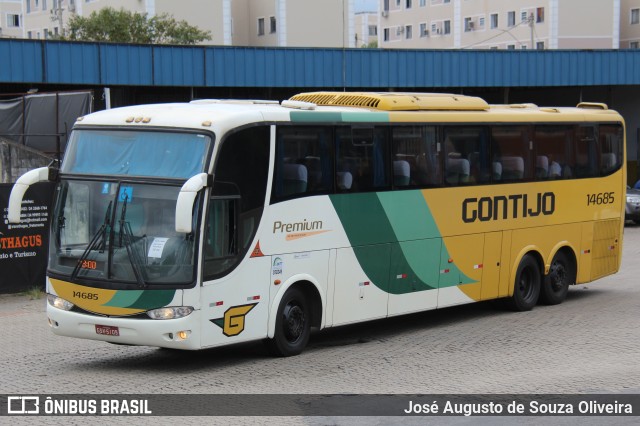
123	26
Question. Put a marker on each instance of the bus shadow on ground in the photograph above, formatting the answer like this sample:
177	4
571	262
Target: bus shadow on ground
376	331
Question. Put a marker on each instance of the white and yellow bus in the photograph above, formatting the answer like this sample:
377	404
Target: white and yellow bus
215	222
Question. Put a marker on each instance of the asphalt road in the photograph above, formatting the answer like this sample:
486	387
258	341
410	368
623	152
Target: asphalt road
588	344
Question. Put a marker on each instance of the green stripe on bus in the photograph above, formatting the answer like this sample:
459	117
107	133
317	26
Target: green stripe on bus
124	298
313	116
151	299
339	117
396	241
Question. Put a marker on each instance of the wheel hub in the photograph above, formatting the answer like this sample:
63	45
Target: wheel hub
293	322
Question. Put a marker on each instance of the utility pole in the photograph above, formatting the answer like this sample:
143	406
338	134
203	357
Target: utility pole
56	15
531	29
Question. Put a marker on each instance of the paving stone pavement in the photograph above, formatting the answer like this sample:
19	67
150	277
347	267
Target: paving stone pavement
588	344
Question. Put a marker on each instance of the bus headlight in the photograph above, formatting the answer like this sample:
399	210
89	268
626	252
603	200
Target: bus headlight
58	302
172	312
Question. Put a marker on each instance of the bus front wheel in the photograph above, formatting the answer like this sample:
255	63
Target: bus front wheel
562	273
526	289
293	325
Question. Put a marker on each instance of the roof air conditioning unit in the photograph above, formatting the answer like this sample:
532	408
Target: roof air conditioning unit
384	13
471	25
400	30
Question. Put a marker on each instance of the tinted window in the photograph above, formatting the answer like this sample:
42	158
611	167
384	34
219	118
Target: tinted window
304	162
416	157
361	159
466	155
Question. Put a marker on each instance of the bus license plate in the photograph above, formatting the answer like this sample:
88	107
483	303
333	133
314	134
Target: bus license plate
107	330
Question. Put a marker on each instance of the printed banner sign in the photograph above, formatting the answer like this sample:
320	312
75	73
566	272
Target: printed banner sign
24	246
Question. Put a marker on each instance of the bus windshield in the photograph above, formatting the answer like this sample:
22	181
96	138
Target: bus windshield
119	232
136	153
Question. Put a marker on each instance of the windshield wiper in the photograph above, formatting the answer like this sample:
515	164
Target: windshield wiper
98	238
127	233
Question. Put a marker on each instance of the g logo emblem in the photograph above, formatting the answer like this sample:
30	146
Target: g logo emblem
232	323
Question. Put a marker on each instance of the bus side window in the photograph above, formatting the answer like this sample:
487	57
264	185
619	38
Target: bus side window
551	145
466	155
512	154
361	158
586	152
416	159
303	163
611	149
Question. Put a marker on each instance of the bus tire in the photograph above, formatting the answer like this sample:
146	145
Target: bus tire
526	287
562	274
293	325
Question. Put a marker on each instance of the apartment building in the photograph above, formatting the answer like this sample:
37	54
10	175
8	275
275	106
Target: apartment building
296	23
630	24
366	29
506	24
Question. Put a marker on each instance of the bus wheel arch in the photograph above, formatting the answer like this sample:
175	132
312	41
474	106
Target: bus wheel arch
562	273
298	308
527	282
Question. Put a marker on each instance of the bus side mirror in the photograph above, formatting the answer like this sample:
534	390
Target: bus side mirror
20	187
186	198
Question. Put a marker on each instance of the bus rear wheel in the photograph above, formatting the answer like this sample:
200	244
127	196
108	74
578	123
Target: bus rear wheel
293	325
562	274
526	289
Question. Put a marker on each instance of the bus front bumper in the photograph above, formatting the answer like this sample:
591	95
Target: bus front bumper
180	333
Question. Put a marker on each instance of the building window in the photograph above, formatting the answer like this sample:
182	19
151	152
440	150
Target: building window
373	30
13	20
511	18
540	45
481	23
523	16
511	47
408	32
423	3
28	6
540	15
634	45
423	30
494	20
29	35
272	24
408	4
44	4
385	34
260	26
635	16
447	27
468	25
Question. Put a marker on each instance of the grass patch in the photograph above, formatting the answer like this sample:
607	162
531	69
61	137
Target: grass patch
34	293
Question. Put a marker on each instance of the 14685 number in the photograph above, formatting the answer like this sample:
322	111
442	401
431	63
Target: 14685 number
600	198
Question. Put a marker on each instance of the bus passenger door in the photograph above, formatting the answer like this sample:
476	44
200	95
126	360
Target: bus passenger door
235	291
361	283
461	266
